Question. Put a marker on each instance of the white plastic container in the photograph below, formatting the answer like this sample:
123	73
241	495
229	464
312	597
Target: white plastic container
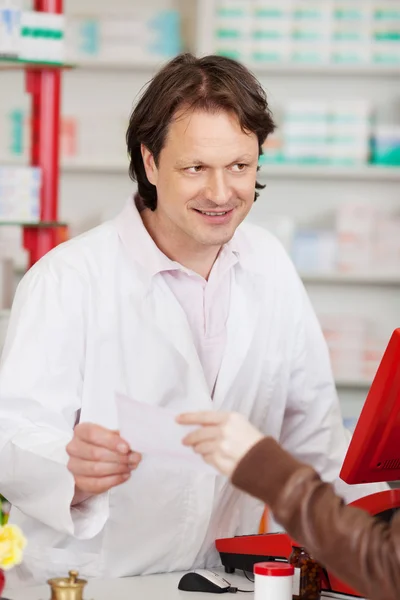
273	581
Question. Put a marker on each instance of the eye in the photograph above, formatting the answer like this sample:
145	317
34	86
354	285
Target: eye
239	167
195	169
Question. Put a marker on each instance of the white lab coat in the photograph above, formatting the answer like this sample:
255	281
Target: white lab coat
88	321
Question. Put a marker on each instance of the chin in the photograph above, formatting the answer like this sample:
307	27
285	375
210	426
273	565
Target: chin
218	240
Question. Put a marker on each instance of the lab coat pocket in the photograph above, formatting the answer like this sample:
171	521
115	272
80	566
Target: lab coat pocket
268	409
273	373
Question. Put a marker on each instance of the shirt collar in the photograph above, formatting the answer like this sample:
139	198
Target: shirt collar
143	250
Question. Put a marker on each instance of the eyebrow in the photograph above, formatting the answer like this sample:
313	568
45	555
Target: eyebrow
182	163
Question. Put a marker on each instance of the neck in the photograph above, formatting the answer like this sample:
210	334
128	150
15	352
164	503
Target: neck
178	246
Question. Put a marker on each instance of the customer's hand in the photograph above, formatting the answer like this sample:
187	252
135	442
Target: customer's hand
223	439
99	459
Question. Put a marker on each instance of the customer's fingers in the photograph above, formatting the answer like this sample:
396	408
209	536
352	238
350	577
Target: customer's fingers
204	433
202	418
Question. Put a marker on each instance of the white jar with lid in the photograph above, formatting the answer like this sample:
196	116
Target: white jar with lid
273	581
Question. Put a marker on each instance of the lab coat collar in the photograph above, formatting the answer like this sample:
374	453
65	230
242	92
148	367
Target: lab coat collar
142	249
157	300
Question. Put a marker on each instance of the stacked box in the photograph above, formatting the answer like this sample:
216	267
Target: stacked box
20	194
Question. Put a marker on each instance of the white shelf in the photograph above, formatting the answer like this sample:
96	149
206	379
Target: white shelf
353	384
106	167
106	65
367	172
386	279
267	171
364	172
301	69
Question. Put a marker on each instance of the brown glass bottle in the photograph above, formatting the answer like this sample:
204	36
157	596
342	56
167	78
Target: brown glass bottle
307	575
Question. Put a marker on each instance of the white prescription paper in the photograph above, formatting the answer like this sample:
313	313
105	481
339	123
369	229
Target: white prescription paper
153	431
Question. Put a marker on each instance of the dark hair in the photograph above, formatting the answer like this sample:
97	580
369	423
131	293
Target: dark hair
211	83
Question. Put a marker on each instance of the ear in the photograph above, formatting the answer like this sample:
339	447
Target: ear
149	165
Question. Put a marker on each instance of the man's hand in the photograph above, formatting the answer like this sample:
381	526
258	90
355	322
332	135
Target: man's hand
223	439
99	459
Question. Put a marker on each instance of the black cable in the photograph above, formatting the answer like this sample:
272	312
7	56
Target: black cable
247	577
233	590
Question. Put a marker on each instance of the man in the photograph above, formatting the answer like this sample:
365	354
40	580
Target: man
171	305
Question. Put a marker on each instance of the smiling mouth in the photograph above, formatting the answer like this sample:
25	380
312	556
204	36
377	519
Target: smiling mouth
213	213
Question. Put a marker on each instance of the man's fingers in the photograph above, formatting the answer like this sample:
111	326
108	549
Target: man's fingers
204	433
98	485
134	458
89	468
99	459
80	449
202	418
100	436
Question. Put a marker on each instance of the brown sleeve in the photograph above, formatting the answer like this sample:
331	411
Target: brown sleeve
357	548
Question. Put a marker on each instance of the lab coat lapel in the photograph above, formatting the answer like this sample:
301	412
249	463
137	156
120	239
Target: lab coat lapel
170	318
244	314
161	313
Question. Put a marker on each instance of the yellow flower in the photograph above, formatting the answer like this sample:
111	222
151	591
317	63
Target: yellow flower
12	543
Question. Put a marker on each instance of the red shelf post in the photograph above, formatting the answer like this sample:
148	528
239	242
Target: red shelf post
44	85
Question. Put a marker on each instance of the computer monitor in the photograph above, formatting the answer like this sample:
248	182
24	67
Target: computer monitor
374	451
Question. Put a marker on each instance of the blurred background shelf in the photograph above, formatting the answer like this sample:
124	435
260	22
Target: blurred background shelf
33	225
260	69
353	384
14	63
352	278
326	69
95	166
107	65
365	172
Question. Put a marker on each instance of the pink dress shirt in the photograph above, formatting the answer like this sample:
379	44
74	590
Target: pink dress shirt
206	303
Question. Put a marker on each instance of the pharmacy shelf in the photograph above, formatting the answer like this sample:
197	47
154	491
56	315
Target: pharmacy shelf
370	70
106	167
107	65
353	384
386	279
368	172
328	69
364	172
7	64
33	225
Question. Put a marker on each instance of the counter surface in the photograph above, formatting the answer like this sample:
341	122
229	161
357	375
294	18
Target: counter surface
150	587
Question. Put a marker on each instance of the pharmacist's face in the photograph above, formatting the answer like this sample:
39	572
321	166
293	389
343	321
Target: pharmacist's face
206	176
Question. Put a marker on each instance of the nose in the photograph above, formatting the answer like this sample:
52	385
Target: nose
219	191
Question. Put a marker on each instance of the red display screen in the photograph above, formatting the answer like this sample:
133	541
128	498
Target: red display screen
374	451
